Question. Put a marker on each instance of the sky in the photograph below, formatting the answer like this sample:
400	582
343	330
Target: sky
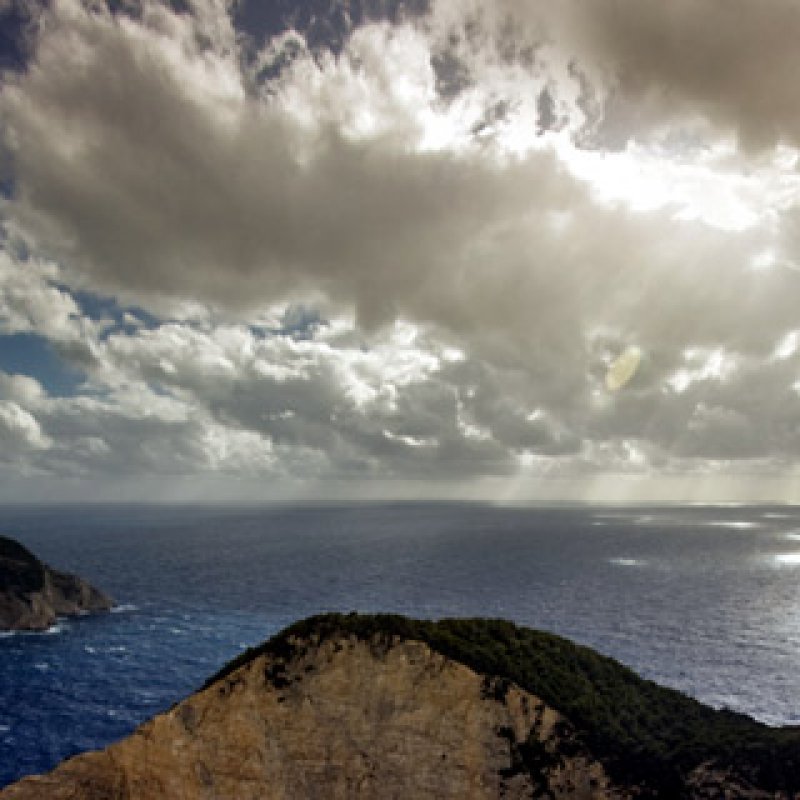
315	251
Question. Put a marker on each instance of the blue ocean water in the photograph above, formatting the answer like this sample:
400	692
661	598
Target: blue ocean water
706	600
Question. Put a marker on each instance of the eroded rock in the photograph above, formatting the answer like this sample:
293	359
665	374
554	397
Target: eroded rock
33	595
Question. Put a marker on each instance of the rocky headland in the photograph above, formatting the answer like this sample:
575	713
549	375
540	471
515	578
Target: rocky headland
386	707
33	595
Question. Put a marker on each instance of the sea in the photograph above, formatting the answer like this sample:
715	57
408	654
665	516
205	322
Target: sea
702	599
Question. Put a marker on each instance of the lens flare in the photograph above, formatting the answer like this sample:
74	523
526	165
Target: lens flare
623	368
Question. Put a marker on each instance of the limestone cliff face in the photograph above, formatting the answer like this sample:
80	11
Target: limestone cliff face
344	718
32	594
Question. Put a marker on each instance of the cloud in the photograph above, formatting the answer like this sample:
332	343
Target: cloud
129	430
187	398
648	65
340	406
733	63
444	195
141	161
30	302
143	164
19	430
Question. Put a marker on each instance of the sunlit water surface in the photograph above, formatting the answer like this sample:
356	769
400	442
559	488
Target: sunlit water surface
703	599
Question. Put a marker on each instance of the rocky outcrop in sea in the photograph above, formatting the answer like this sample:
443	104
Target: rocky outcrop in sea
33	595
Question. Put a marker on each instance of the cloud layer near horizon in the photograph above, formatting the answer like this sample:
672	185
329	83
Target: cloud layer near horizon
479	207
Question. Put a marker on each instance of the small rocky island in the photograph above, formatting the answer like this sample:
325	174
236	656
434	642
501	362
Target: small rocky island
32	594
380	707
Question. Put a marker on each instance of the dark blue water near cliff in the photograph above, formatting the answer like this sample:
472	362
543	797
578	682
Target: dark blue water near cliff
703	599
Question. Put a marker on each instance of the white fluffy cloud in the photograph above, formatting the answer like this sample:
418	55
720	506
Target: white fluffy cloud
19	431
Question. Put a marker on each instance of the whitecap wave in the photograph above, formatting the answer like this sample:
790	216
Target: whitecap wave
787	559
735	524
124	608
55	628
58	627
627	562
726	504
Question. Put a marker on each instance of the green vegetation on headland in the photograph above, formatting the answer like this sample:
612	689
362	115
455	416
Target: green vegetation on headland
644	733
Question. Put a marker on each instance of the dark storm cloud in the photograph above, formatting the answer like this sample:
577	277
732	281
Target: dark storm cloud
734	62
730	62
